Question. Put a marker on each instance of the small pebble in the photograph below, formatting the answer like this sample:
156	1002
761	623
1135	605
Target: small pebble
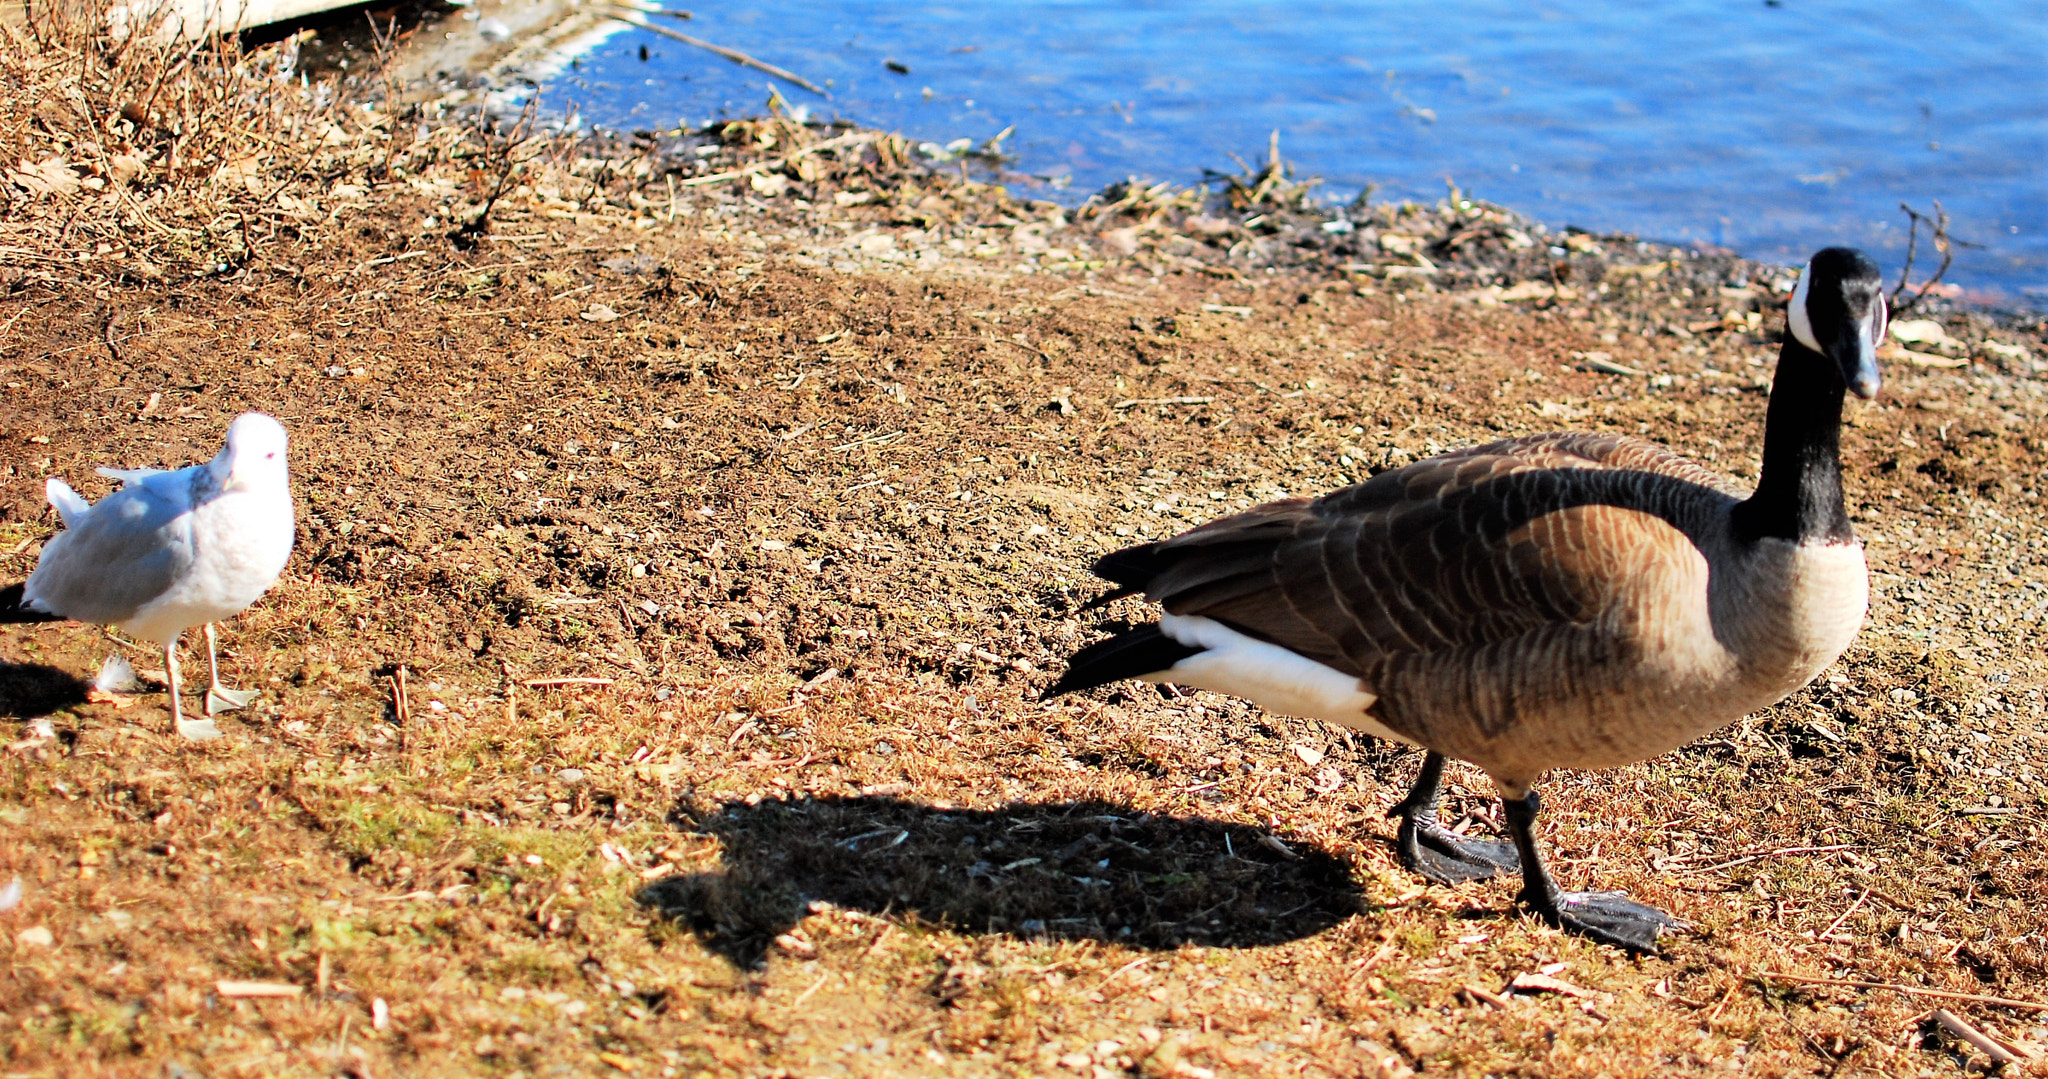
570	775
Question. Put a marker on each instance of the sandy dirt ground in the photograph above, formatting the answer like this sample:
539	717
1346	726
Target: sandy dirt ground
654	687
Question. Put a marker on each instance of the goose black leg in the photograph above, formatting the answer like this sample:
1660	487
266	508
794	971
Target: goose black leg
1608	917
1435	853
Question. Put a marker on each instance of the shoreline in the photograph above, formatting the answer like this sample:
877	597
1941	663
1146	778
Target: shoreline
724	514
535	40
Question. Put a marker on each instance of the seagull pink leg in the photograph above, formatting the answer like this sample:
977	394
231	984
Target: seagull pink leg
199	730
171	674
219	698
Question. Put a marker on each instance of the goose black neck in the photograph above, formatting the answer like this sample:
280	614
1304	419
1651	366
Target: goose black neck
1799	495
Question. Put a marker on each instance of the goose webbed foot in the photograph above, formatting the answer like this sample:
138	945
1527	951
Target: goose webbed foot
1606	917
1449	859
1427	848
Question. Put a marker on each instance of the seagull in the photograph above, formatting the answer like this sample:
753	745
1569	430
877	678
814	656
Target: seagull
169	551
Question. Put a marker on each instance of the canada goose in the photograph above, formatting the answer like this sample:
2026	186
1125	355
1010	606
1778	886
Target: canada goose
1551	601
169	551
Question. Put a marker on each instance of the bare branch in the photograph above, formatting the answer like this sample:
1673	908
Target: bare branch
1937	229
500	143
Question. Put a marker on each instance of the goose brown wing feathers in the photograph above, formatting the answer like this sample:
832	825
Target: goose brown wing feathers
1511	541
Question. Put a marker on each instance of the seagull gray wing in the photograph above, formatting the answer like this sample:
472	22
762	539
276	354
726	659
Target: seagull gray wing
168	483
130	475
134	545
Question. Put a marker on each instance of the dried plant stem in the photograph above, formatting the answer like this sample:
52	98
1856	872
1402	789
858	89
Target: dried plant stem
1958	1026
639	19
1937	231
1909	990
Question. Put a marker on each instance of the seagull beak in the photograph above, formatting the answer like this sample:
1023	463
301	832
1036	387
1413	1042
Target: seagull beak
1856	353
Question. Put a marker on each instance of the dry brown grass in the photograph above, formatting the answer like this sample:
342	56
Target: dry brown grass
819	504
134	158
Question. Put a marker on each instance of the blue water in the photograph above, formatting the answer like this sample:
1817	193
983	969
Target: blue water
1772	130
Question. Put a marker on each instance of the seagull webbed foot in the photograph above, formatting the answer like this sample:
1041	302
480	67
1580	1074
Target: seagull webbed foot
198	730
219	698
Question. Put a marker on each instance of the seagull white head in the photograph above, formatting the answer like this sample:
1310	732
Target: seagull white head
1838	311
254	456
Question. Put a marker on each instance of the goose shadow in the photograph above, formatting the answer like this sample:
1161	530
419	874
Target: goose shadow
28	690
1069	870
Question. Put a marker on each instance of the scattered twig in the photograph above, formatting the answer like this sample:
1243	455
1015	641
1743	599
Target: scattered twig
9	324
1487	996
1837	923
1760	855
871	440
806	994
1609	367
256	990
537	683
1937	229
1538	982
1955	1025
879	938
1136	401
1910	990
1274	844
511	692
639	19
401	701
1040	353
1725	998
386	260
1118	972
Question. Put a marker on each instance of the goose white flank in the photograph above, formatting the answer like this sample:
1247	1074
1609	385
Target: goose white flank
170	551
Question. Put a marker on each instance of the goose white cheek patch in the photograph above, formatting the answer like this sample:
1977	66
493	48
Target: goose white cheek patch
1796	318
1879	321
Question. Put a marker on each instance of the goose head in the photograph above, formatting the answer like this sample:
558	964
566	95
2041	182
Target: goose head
1838	312
254	457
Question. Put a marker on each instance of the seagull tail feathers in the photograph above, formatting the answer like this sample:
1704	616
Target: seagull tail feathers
71	508
12	608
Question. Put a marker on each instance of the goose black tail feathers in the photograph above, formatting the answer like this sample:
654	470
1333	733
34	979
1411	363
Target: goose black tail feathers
11	609
1130	569
1138	652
